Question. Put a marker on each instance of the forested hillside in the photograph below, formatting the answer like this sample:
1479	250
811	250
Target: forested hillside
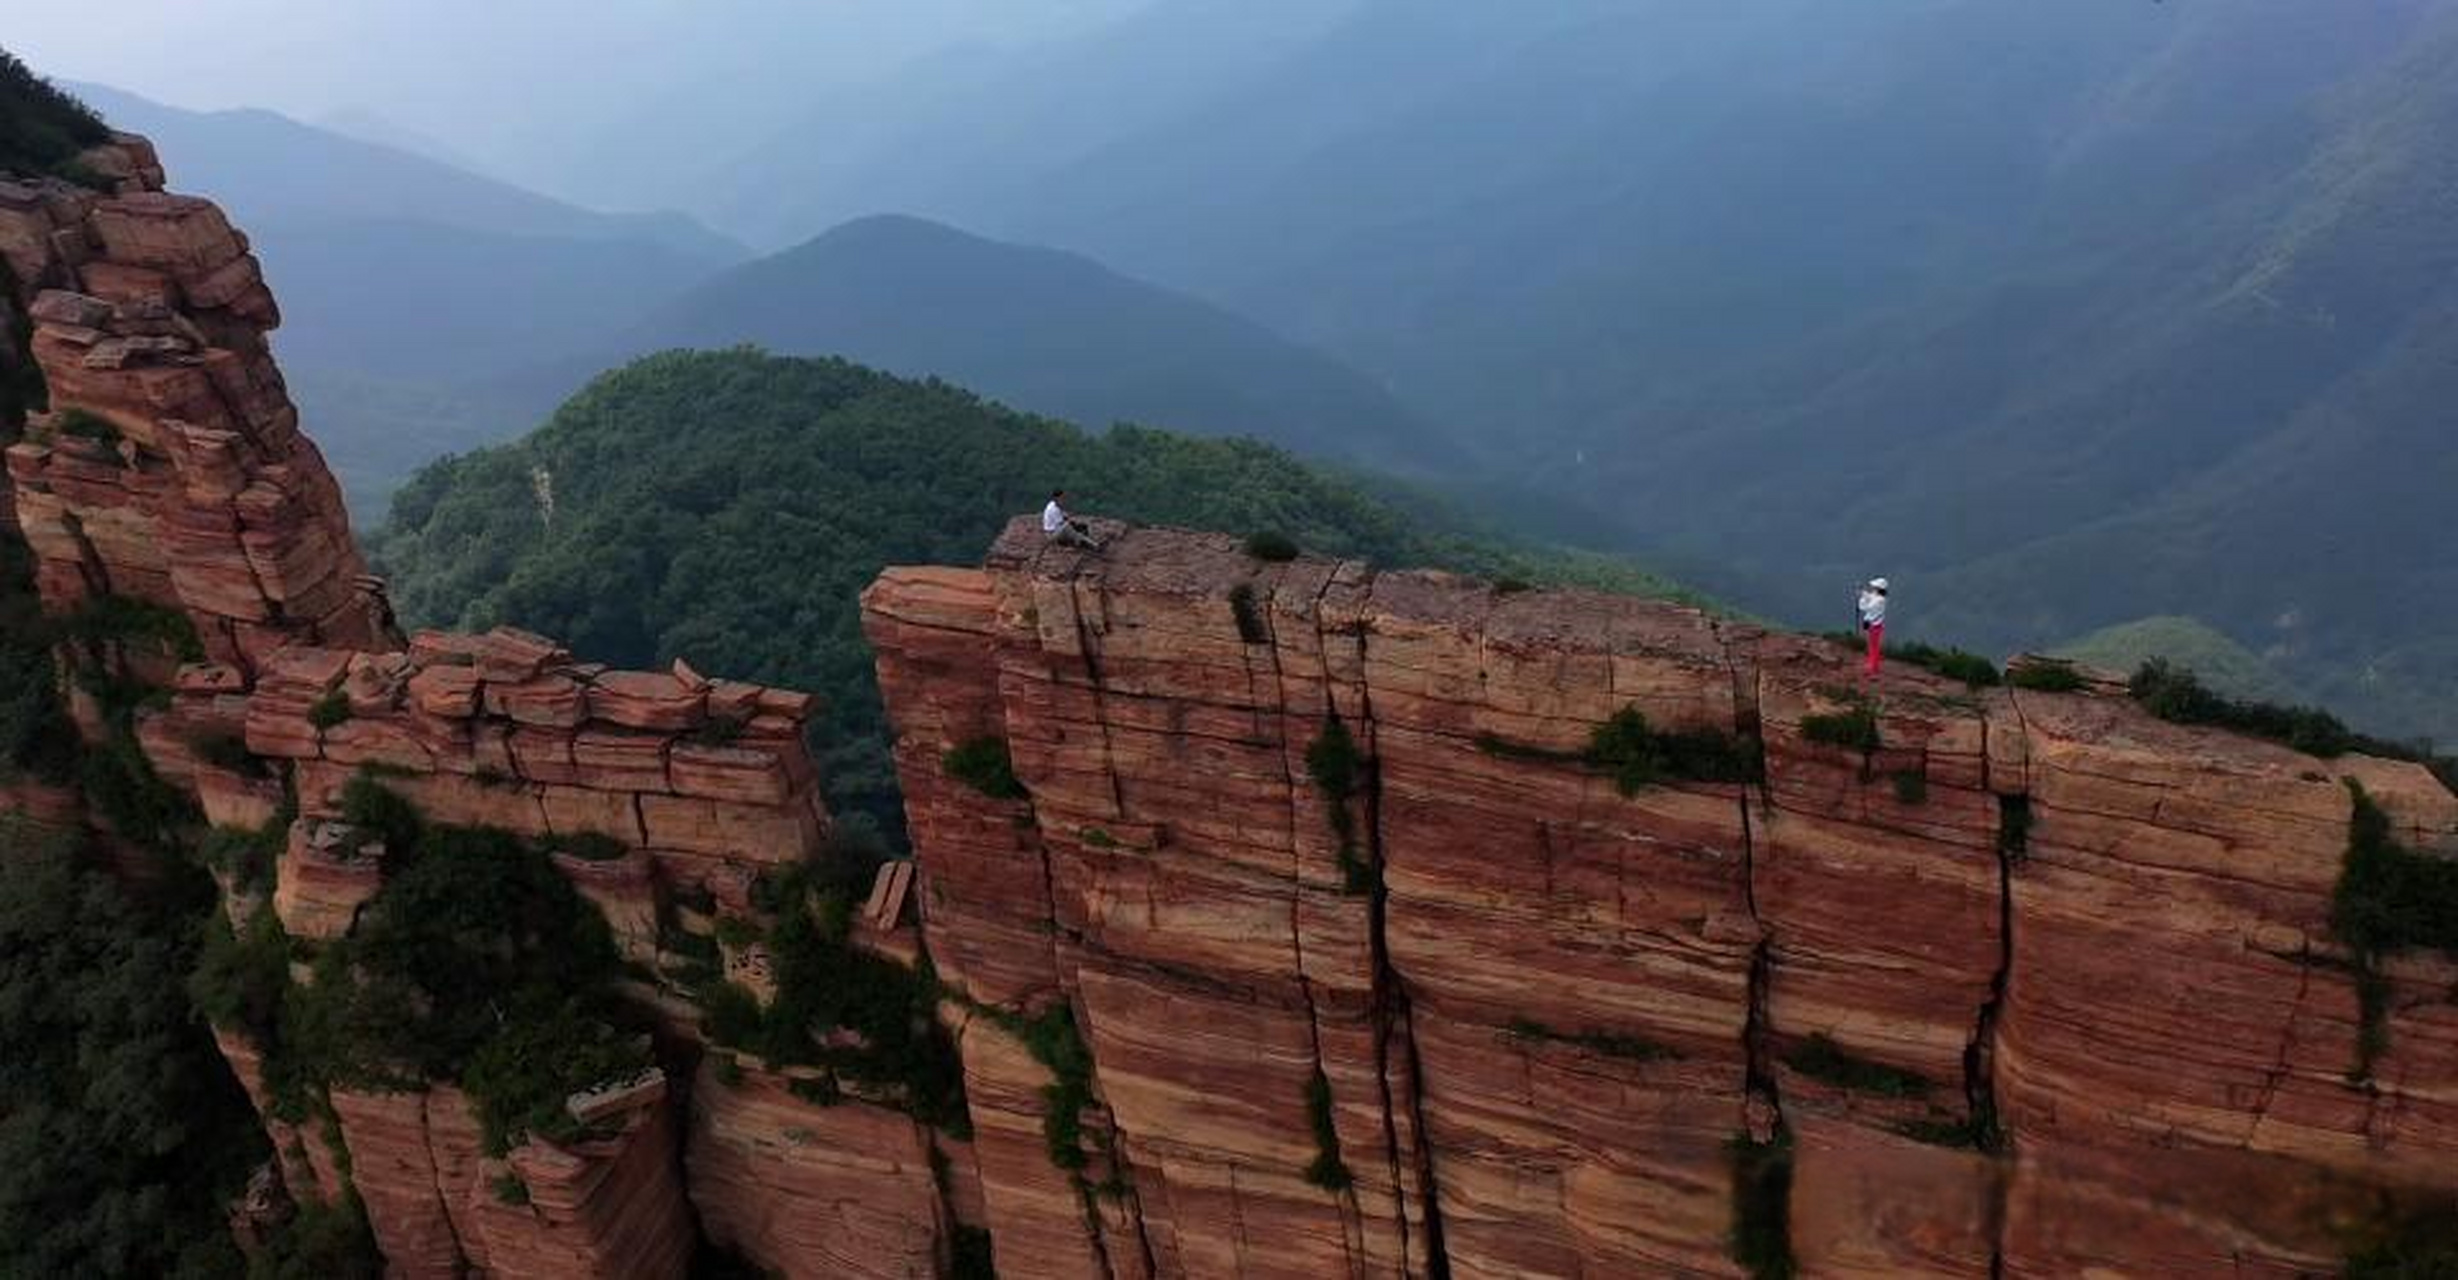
729	507
42	128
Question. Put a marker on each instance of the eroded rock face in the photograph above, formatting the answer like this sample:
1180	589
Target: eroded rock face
601	1206
1992	965
844	1190
171	468
170	471
1312	942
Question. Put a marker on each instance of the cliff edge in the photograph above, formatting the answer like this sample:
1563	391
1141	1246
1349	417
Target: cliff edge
1276	916
1414	925
387	816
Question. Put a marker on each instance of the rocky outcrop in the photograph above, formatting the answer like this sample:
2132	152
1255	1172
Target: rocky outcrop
2006	979
171	468
225	633
844	1190
1291	918
602	1206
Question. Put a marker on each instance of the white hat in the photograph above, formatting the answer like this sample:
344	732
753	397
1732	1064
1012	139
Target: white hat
1879	583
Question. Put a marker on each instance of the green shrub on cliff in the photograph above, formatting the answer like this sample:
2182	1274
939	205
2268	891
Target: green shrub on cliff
324	1242
826	984
2178	696
42	127
1638	756
2046	677
242	977
1854	726
1328	1170
730	507
2412	1242
983	764
1338	770
477	963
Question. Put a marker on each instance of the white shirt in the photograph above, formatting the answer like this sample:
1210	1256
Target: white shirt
1053	517
1873	607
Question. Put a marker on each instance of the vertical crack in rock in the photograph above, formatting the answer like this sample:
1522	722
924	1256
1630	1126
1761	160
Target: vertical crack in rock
1352	1230
2287	1046
1392	1007
1758	1082
1390	1004
435	1178
1129	1200
1088	651
1980	1053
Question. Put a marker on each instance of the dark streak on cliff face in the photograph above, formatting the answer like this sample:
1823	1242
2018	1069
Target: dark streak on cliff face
1531	961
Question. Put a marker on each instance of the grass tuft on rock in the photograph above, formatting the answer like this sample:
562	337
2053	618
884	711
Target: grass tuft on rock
1338	770
2046	676
983	764
1271	545
1854	727
1327	1170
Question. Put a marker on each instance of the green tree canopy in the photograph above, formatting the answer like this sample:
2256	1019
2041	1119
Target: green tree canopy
122	1133
729	507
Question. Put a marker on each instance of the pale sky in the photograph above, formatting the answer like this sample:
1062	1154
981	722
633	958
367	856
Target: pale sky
510	81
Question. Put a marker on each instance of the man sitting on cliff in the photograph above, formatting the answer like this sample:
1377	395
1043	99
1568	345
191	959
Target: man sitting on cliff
1062	528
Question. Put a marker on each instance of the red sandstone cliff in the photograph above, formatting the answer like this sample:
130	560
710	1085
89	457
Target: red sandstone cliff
1548	1008
2035	985
170	473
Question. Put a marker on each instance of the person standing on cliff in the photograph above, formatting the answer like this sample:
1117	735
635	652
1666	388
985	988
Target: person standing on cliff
1060	527
1872	611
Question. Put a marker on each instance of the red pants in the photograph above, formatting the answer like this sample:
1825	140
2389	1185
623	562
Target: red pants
1877	647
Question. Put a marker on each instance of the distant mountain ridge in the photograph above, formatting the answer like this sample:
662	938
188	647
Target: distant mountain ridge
2067	314
269	167
406	282
1049	332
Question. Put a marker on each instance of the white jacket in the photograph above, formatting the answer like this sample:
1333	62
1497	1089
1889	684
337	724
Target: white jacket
1873	607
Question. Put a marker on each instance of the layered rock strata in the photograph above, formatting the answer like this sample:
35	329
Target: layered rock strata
171	468
1312	936
2018	982
195	545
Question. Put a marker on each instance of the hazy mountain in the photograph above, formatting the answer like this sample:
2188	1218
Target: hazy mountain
1048	332
268	168
945	131
2067	314
2064	314
368	125
407	284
